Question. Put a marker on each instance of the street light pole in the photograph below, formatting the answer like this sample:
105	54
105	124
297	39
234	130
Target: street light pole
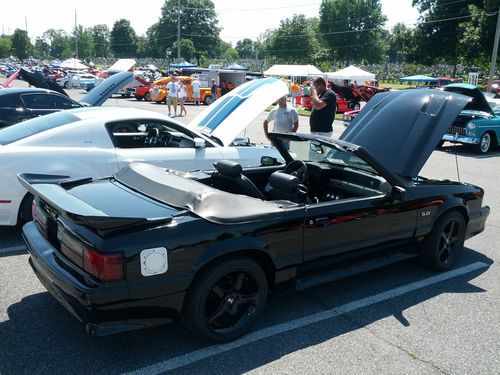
168	52
494	53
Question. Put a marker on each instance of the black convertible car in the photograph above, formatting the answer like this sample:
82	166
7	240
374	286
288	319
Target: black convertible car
150	245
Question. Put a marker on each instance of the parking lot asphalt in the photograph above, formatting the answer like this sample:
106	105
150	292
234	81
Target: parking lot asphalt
402	319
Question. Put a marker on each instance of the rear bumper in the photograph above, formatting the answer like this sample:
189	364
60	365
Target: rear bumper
477	223
103	308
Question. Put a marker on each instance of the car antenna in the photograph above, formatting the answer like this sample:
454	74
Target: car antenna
456	159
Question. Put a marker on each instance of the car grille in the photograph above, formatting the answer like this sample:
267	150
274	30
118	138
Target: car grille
456	130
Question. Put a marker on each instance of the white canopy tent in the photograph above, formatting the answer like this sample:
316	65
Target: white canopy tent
293	71
73	64
350	73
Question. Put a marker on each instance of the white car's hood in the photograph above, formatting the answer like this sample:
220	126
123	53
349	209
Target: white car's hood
228	116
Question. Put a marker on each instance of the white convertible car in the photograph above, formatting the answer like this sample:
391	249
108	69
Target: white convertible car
96	142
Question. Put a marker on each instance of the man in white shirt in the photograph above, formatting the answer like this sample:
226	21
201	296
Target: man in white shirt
195	85
173	93
286	119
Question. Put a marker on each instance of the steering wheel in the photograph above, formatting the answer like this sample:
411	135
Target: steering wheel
298	169
153	137
166	137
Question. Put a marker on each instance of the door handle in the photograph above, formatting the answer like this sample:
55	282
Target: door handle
320	222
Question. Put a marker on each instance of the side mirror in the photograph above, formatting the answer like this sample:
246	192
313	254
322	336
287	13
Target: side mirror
268	161
199	142
398	193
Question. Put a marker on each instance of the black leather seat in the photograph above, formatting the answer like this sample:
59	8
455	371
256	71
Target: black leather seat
228	177
283	186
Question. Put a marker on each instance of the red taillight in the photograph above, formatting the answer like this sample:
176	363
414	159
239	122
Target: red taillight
105	267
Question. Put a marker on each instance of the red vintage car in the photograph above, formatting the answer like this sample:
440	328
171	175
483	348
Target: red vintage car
342	104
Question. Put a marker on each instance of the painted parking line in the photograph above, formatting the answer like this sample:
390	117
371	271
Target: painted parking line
12	249
198	355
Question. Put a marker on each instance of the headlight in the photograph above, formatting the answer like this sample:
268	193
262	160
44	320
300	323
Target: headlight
471	125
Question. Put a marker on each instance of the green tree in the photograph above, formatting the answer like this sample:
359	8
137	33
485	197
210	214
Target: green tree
230	55
101	37
198	22
245	48
142	47
85	39
5	46
438	32
21	45
187	49
58	40
41	50
123	39
352	29
401	44
294	41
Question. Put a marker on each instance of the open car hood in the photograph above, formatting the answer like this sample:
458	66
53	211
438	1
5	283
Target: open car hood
478	102
108	87
228	116
402	128
38	80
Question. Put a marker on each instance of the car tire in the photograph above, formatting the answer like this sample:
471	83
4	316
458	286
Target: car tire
25	214
66	85
147	96
214	310
208	100
443	245
356	106
138	98
485	143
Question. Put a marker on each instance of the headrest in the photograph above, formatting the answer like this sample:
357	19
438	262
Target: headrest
284	182
228	168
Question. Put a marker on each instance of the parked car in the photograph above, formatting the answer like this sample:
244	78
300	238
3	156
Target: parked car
84	81
205	92
477	124
348	116
342	104
64	81
22	103
151	245
98	141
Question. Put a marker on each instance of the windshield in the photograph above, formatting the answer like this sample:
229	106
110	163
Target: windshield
37	125
315	151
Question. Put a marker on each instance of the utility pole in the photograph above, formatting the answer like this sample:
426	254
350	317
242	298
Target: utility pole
26	25
178	31
494	53
76	39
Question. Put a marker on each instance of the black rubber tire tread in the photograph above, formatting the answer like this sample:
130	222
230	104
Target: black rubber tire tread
193	307
429	254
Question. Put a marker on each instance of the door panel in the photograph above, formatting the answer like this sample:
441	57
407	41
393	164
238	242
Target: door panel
339	226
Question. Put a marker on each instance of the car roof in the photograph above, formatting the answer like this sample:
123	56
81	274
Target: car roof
25	90
116	113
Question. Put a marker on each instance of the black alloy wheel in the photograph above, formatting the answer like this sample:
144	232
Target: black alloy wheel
442	247
226	300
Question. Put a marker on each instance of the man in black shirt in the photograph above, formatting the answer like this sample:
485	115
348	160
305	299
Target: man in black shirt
324	108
